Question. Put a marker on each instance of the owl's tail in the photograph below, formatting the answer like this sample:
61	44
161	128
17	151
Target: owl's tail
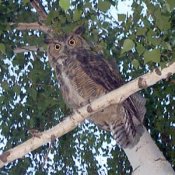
127	133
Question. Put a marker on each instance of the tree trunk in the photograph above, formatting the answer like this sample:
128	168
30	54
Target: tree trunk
147	159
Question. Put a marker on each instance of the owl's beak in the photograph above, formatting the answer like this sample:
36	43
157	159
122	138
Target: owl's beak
66	49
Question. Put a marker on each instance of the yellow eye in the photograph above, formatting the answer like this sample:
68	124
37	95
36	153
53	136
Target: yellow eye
57	46
72	42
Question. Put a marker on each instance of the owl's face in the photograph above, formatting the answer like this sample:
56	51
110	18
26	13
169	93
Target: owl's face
61	46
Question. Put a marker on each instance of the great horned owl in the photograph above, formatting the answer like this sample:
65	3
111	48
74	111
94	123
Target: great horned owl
85	75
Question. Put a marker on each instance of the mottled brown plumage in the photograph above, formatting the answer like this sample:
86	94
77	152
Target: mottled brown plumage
84	75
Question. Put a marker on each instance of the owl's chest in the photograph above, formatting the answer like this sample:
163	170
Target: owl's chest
70	93
76	85
68	75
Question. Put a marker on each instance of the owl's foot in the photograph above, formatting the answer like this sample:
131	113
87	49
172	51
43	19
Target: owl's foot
85	103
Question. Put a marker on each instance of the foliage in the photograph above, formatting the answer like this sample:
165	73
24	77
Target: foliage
30	97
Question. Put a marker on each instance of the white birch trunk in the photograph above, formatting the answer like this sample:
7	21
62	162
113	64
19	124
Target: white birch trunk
146	158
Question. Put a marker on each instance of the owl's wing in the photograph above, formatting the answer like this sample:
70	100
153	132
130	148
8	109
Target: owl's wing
99	70
104	74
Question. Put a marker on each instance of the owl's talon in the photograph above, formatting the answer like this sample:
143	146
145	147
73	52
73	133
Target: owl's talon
83	103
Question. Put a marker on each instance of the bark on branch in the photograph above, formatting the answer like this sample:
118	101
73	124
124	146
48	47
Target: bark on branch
33	26
36	4
116	96
28	49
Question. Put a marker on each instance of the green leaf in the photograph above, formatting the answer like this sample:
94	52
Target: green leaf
166	45
17	89
152	56
140	49
2	48
121	17
5	85
19	60
103	5
2	99
171	4
64	4
128	45
135	63
162	21
26	1
88	5
33	93
141	31
77	15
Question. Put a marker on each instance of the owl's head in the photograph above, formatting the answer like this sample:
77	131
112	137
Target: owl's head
62	45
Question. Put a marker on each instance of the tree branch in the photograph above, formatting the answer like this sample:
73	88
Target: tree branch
29	49
36	4
33	26
116	96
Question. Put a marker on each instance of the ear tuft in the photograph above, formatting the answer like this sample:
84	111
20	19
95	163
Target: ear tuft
79	30
48	40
